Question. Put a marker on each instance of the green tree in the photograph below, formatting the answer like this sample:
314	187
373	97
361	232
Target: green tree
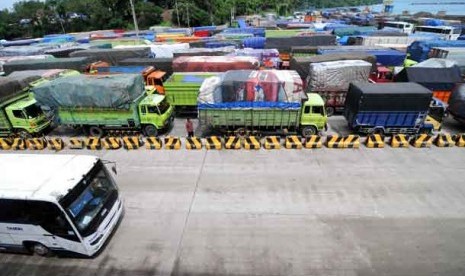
148	14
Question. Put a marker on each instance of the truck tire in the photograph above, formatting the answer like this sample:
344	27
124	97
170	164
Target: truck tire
95	131
330	111
24	134
424	131
379	131
150	130
40	249
308	131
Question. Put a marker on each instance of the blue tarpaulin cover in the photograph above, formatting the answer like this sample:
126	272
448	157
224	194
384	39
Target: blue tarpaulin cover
419	50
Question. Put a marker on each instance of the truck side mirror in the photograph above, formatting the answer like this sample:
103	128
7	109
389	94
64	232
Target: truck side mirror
113	168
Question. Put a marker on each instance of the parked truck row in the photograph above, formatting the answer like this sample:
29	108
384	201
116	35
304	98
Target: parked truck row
263	100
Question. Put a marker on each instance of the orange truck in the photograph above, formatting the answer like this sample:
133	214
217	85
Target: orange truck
152	77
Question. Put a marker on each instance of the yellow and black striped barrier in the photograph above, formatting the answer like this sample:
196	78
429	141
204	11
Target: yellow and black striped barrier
93	143
313	142
153	143
76	143
422	141
131	142
5	143
251	143
36	143
399	141
213	142
459	140
374	141
56	144
272	142
293	142
335	141
193	143
444	141
232	142
172	143
18	144
352	141
111	143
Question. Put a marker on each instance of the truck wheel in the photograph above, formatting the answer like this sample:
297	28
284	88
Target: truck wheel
24	134
379	131
425	131
330	111
95	131
309	131
150	130
40	249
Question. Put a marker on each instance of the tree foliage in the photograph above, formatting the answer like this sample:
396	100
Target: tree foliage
34	18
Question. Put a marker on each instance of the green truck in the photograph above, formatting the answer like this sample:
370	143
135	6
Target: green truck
307	120
182	89
103	103
19	113
264	101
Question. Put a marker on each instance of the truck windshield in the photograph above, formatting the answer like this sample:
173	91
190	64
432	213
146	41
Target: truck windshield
163	106
32	111
90	200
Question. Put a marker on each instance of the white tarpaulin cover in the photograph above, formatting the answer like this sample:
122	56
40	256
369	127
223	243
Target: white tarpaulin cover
337	75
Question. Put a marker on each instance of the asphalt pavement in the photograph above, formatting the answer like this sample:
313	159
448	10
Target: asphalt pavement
279	212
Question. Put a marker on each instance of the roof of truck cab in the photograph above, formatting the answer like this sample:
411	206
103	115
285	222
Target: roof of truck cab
315	99
41	176
152	99
22	103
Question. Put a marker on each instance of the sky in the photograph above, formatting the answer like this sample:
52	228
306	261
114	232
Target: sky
7	4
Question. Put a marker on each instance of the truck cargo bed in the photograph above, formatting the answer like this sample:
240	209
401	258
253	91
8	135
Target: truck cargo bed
182	89
104	117
250	118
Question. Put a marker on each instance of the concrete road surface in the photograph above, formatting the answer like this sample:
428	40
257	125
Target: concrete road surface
283	212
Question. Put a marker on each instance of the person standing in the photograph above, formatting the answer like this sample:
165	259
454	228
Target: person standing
189	128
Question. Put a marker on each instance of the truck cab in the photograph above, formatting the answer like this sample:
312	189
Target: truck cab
27	117
155	79
155	113
382	74
313	115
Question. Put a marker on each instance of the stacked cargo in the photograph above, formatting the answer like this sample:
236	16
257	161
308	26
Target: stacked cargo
302	64
457	103
269	58
384	56
420	50
249	88
331	80
77	63
204	51
438	75
113	56
163	64
110	91
214	63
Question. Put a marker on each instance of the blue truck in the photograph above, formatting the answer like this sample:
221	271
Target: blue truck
388	108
